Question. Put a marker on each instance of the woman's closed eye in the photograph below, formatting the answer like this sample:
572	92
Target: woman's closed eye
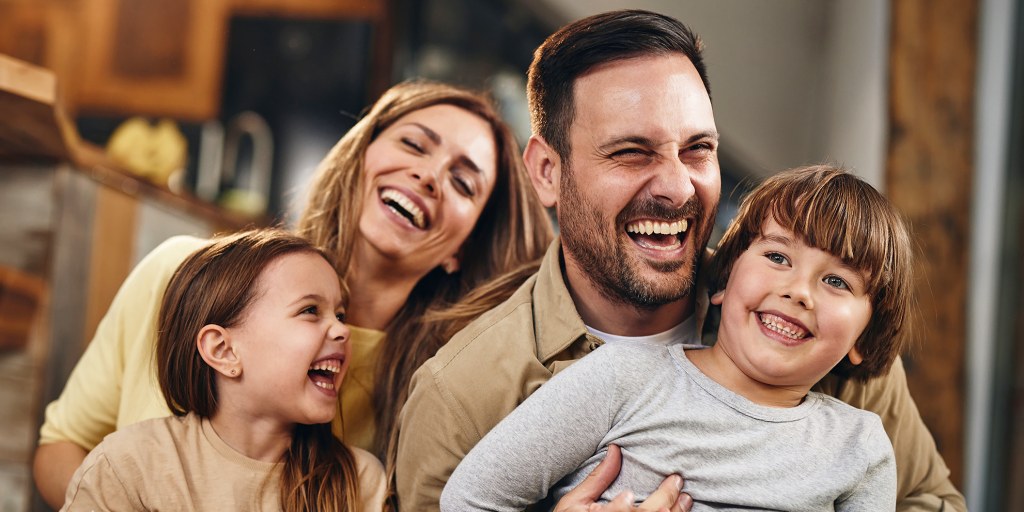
413	145
462	184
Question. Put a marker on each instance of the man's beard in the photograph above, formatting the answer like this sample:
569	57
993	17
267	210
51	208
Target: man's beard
607	262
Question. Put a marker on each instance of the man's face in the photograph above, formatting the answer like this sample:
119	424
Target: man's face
639	191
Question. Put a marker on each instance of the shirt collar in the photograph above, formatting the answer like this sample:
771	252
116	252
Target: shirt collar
557	322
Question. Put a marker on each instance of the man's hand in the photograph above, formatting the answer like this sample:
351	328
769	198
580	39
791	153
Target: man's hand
667	498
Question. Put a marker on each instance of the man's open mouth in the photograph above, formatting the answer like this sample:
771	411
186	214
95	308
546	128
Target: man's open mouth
658	235
402	205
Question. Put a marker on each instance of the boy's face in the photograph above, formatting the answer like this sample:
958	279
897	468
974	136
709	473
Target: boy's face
790	312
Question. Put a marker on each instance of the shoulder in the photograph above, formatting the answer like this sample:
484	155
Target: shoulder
506	331
173	251
372	480
142	447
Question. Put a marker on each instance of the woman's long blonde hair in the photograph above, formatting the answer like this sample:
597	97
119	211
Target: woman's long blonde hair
513	230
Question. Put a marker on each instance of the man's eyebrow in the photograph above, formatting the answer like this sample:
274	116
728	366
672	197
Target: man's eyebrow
431	134
649	142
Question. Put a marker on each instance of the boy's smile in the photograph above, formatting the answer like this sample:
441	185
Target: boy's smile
790	312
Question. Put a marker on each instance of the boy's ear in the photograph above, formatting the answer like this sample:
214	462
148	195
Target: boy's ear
854	356
544	167
716	298
216	348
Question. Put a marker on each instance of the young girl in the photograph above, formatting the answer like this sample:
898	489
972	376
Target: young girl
251	351
813	276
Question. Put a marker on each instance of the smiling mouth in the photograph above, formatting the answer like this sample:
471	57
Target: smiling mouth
658	235
405	207
785	328
323	373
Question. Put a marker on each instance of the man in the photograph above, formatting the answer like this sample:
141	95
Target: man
624	146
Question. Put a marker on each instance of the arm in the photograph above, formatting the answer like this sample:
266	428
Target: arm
552	433
877	490
922	477
53	467
88	408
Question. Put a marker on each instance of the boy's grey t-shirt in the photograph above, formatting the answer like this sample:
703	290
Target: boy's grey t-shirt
668	418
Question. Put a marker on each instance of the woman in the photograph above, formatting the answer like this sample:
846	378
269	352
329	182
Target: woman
421	201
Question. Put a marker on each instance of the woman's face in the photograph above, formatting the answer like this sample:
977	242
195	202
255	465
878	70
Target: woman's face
428	177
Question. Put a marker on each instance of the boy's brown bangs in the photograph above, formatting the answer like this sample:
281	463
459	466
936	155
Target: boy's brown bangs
836	216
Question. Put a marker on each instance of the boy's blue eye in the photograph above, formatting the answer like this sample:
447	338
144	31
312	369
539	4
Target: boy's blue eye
309	310
340	317
837	282
776	258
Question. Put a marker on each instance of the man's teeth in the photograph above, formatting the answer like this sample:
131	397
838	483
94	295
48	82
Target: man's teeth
406	204
782	327
647	227
325	385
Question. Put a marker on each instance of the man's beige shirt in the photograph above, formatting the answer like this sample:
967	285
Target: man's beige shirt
497	361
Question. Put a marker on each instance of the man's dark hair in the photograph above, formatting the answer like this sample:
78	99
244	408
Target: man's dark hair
579	46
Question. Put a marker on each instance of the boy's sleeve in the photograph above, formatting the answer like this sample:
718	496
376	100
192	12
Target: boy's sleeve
549	435
922	476
88	407
877	490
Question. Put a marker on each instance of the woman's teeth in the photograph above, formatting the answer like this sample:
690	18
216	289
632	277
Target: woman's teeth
404	206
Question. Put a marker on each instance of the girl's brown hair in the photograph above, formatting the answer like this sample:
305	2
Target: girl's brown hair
514	229
216	285
835	211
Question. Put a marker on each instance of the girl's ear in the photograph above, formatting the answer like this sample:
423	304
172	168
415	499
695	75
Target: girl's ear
854	356
716	298
544	167
215	347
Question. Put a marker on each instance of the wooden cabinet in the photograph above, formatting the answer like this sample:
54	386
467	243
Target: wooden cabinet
154	57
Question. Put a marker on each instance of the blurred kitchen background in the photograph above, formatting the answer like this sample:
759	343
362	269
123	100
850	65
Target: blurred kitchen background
159	117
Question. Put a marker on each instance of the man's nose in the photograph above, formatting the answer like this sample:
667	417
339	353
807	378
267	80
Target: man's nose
672	185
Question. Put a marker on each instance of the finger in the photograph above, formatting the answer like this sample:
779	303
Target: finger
666	495
594	485
683	504
623	502
600	478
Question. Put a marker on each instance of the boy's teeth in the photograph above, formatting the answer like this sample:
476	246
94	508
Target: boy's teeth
783	327
407	204
647	227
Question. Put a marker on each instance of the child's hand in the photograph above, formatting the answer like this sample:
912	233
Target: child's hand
667	498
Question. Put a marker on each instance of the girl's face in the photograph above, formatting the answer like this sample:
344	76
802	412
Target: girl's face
790	312
291	342
428	177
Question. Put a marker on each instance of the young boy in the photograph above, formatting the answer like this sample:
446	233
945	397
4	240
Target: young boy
813	276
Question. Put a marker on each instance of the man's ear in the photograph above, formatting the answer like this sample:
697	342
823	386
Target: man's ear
854	356
215	347
717	297
545	168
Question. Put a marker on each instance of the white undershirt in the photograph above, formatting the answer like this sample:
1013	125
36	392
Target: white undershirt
685	332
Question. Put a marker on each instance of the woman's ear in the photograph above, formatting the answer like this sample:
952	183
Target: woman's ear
544	167
215	347
854	356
